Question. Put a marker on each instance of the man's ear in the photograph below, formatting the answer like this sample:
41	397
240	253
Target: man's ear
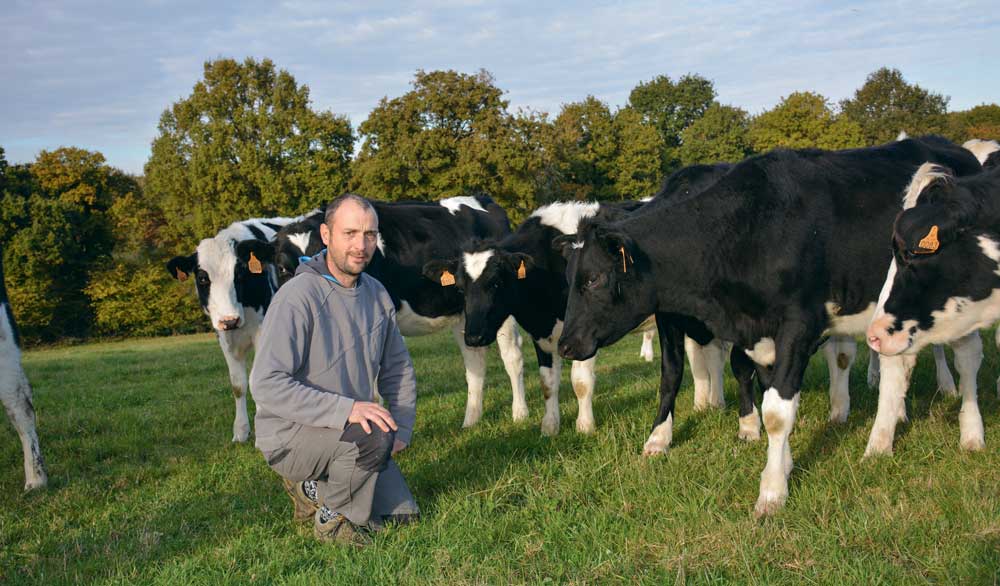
181	267
520	263
441	271
254	252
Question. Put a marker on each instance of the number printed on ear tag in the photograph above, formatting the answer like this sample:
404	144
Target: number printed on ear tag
254	265
447	279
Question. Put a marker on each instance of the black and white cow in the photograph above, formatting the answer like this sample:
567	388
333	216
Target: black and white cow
981	148
15	393
234	286
411	234
943	283
782	249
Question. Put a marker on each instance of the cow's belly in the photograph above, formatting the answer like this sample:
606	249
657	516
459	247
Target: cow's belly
848	325
413	324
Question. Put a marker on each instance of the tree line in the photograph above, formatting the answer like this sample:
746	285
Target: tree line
84	243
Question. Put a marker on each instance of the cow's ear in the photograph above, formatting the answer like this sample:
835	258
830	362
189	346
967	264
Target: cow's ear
563	243
181	267
925	228
441	271
621	247
254	252
520	263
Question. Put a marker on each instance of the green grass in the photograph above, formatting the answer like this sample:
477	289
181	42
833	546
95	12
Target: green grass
146	488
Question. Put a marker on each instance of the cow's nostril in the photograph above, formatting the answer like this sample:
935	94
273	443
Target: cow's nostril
229	324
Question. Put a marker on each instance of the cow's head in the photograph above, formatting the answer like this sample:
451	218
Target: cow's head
293	242
943	281
608	293
490	279
228	276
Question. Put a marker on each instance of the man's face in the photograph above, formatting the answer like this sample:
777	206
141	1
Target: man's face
350	238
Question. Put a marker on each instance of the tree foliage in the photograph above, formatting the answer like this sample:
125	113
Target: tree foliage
671	107
452	134
887	104
55	233
802	120
720	135
245	143
982	121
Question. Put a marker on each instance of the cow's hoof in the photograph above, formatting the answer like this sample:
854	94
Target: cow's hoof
586	426
647	356
654	449
838	415
35	484
550	427
240	436
769	503
519	412
972	444
879	444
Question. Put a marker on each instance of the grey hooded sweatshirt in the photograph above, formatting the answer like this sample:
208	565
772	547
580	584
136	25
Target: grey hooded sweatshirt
323	346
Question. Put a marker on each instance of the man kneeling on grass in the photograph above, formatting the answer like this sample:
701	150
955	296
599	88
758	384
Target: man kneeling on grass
328	344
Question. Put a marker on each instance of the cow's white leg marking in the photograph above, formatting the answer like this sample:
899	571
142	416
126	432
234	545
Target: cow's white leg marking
509	343
582	376
968	358
646	352
15	394
707	364
235	348
550	381
873	369
660	438
945	382
475	375
750	426
840	352
893	383
779	418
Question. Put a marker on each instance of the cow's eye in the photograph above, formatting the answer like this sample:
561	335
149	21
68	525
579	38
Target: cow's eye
594	281
203	279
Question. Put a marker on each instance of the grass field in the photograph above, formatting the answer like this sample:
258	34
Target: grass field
145	487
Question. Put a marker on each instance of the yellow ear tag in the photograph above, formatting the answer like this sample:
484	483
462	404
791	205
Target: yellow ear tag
929	243
181	275
254	265
521	271
447	279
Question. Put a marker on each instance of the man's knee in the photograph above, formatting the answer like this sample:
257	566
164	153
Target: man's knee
374	448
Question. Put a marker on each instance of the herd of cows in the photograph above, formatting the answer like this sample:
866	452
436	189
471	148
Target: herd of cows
765	261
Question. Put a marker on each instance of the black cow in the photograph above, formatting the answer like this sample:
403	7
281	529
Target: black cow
235	286
992	160
15	393
410	235
943	283
782	249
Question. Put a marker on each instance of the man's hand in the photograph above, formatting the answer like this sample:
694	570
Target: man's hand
397	446
362	412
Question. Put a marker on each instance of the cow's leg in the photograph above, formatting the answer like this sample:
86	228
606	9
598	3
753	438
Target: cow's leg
475	375
946	383
646	352
671	373
743	371
550	371
893	383
873	369
840	352
15	393
509	343
707	367
582	376
236	350
968	358
781	403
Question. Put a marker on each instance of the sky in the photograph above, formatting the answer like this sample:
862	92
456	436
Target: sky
97	75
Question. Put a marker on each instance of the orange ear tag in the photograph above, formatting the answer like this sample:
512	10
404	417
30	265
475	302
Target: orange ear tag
181	275
624	268
447	279
254	265
521	271
929	243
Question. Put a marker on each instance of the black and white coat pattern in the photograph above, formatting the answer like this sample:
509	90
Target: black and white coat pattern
15	393
410	235
779	252
234	297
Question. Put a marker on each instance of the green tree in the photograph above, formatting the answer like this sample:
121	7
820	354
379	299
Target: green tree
586	150
720	135
55	232
802	120
982	121
452	134
671	107
637	170
887	104
245	143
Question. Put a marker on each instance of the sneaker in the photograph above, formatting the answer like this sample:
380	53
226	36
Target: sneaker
332	527
304	501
